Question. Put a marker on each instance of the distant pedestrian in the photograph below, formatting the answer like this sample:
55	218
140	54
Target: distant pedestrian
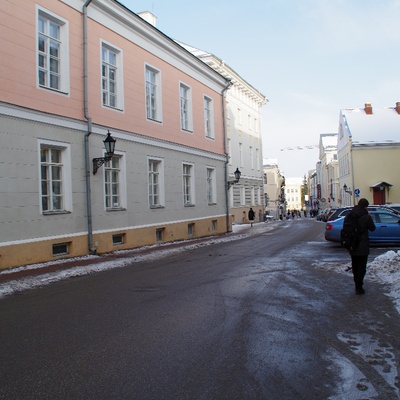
251	216
359	254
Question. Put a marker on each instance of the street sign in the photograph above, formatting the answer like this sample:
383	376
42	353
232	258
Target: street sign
357	192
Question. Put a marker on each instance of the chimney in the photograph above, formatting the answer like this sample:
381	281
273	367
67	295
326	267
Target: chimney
148	17
398	107
368	108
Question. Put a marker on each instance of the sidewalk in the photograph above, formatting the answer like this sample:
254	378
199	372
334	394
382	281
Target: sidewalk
64	268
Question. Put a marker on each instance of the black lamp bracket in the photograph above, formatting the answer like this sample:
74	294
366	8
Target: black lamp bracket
98	162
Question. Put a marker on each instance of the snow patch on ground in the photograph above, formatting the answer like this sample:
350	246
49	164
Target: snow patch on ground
383	269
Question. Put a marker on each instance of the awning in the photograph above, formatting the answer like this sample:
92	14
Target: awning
381	183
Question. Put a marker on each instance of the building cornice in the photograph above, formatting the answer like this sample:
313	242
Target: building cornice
120	19
12	111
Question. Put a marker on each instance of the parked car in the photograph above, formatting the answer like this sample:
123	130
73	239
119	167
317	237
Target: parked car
393	207
342	212
324	214
339	212
387	228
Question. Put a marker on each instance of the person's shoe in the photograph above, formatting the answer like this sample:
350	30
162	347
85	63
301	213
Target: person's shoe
360	291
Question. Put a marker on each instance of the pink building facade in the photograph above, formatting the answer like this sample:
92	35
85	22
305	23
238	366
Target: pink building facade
72	71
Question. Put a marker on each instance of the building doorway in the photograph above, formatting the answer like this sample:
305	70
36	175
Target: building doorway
379	192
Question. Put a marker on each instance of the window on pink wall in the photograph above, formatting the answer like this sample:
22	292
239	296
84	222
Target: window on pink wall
112	87
52	52
153	94
209	118
109	76
185	107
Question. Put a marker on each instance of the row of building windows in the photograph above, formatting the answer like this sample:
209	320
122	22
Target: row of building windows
247	195
56	186
254	156
252	123
52	54
55	166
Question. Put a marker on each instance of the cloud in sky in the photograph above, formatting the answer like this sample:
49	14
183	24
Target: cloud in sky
310	58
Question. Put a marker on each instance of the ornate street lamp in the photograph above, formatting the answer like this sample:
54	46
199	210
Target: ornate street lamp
237	174
346	189
109	144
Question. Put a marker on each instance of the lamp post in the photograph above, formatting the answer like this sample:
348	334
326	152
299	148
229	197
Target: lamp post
237	174
109	144
346	189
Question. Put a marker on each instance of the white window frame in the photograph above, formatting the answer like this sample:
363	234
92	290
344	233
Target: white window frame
211	186
241	155
118	81
66	179
154	114
258	196
209	129
258	159
122	189
242	195
251	157
185	107
160	182
231	199
63	57
252	196
230	151
188	186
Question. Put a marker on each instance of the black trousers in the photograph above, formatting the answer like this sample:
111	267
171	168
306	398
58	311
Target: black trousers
359	268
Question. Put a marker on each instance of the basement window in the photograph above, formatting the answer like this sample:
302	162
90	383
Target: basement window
190	230
214	225
60	249
160	234
118	239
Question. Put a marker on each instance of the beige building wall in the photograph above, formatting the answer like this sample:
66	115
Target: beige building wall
369	154
374	165
272	189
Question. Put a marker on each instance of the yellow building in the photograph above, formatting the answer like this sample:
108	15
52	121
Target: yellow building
369	155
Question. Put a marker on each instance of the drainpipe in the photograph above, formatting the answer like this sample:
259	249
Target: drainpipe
353	200
89	128
226	153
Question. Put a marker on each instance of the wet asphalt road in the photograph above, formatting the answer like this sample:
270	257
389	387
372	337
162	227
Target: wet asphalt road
257	318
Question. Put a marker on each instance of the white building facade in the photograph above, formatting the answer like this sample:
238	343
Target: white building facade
293	194
329	171
273	187
243	122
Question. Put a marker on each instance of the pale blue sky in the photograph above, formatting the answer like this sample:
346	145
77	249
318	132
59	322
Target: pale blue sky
310	58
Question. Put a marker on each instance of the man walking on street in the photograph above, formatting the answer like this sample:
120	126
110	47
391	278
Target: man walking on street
251	216
359	252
